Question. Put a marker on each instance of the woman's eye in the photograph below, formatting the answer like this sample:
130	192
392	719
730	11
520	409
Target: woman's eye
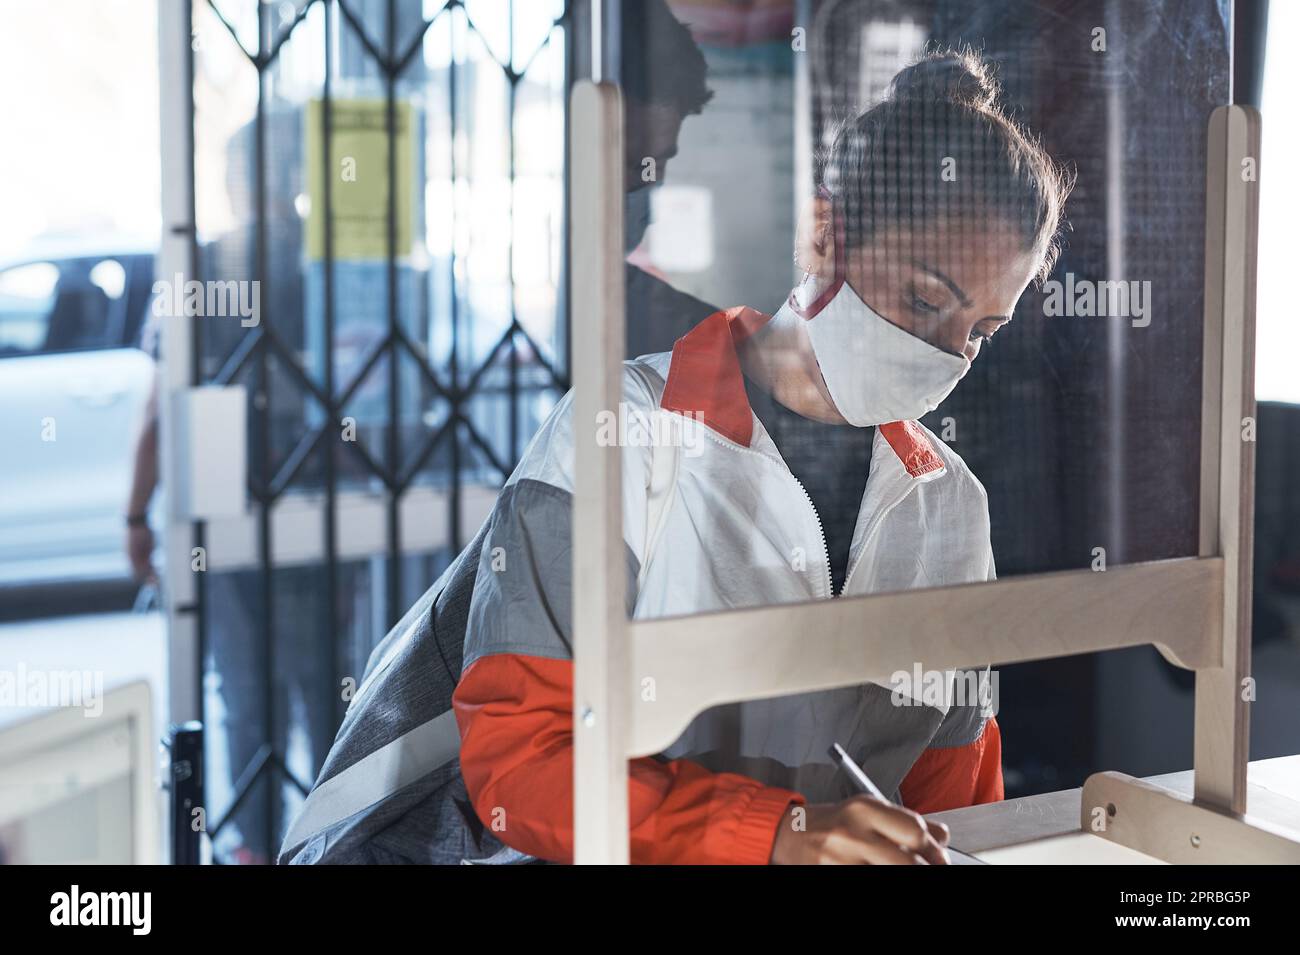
922	305
976	334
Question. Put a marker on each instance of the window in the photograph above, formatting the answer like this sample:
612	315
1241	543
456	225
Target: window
26	299
72	304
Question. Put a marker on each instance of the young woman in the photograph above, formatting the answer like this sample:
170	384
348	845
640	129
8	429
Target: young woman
804	475
937	213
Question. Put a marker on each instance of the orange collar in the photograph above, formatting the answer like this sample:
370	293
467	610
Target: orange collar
705	382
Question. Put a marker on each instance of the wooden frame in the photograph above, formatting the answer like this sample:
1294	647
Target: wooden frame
1227	460
1196	610
601	665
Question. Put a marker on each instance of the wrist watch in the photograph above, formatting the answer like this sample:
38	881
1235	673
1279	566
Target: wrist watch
137	520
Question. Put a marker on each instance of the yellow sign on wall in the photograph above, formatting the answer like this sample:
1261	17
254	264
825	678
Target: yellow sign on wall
358	184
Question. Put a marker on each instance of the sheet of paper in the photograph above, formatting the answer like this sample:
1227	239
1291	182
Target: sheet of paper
1074	848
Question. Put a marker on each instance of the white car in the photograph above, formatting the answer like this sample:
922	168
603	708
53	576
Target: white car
73	384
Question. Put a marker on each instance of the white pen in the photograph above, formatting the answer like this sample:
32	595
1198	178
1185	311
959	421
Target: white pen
864	783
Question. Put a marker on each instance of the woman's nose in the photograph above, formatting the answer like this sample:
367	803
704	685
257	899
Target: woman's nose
956	340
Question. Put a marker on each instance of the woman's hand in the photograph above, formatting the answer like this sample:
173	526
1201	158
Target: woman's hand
859	831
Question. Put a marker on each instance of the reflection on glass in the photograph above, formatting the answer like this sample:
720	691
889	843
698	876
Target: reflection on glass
894	307
887	229
390	174
953	294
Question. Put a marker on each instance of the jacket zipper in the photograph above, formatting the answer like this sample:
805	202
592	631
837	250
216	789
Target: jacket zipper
821	530
781	466
866	540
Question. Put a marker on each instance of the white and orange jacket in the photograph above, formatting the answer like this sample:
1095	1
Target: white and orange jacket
457	746
735	529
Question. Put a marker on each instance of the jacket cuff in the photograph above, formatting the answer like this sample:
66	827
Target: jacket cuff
756	828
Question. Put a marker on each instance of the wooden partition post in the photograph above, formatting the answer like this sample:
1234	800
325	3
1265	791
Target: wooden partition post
601	684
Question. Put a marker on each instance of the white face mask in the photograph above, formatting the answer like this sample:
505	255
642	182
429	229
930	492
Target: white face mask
875	371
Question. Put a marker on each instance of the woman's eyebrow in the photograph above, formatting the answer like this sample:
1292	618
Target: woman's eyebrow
953	286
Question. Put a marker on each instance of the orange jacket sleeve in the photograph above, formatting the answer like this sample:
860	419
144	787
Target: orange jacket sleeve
956	776
515	714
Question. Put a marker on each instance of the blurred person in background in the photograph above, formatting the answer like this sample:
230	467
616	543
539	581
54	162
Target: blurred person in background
664	80
235	685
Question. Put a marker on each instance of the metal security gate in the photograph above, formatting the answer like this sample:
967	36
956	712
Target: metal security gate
380	187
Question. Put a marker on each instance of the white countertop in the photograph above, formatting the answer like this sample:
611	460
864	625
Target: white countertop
1046	828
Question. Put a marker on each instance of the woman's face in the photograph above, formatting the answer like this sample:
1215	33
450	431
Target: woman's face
953	285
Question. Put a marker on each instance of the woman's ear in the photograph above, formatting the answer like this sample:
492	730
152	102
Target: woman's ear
814	242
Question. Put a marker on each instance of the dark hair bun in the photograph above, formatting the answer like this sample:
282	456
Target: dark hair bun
958	77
